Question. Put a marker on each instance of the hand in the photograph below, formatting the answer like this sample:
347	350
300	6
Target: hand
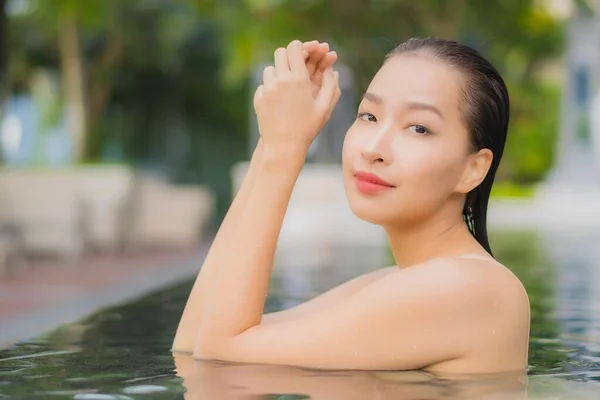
289	117
318	59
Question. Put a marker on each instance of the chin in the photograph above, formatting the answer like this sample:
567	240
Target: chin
368	211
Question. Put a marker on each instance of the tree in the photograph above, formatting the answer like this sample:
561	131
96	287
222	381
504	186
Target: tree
155	78
3	54
517	35
83	40
364	30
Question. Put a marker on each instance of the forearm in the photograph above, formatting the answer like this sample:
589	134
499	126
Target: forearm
201	291
241	285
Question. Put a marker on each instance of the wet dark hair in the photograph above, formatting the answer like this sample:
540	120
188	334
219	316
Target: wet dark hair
485	110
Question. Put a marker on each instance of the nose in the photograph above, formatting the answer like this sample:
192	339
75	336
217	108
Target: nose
378	148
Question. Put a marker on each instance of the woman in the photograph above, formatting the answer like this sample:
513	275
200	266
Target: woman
419	160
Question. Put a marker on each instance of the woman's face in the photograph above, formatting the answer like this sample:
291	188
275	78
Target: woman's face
409	133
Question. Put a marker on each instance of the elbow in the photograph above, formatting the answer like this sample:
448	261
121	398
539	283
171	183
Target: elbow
180	345
211	345
181	350
213	350
203	351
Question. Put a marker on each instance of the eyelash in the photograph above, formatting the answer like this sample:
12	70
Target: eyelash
427	131
362	114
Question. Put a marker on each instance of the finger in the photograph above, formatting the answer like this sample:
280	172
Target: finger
313	61
310	46
310	43
258	95
337	91
296	59
282	66
269	76
327	91
336	95
314	47
326	62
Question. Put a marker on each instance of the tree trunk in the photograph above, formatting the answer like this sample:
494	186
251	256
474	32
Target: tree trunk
4	85
3	55
100	83
73	81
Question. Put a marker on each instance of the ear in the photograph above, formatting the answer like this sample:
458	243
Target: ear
477	167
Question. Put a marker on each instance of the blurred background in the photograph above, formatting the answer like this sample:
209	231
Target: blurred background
99	94
125	127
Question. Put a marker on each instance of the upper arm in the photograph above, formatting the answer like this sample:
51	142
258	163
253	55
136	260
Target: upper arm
407	320
327	299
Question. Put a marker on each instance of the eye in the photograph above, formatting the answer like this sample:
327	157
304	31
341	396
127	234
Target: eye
368	117
421	130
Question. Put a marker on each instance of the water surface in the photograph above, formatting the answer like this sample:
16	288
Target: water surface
123	352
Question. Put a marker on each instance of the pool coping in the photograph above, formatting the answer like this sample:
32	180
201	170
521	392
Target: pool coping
38	320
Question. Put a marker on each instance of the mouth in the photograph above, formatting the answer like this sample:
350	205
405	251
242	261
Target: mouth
369	183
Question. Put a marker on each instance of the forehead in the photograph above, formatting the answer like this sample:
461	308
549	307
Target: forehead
408	77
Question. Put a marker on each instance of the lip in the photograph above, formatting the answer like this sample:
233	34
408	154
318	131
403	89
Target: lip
370	183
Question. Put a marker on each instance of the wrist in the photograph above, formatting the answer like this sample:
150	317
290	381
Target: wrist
286	157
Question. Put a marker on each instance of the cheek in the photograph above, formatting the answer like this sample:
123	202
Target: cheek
350	149
429	164
428	176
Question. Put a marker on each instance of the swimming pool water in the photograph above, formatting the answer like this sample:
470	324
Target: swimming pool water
123	352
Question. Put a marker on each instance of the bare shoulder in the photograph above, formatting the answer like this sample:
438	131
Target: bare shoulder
494	278
471	283
480	306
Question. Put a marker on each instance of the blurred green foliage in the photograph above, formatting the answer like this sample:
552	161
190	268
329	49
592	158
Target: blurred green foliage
532	136
165	82
512	189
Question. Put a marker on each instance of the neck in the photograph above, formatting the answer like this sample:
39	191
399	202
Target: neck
440	236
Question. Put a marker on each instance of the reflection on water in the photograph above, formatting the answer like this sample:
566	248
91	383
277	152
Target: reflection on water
210	380
123	353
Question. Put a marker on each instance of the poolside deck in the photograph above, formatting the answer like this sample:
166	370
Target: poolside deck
48	293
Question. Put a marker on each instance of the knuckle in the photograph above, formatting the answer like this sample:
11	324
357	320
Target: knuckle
286	79
268	91
297	78
268	72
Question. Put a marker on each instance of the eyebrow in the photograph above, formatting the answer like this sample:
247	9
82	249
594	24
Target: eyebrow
413	105
372	97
